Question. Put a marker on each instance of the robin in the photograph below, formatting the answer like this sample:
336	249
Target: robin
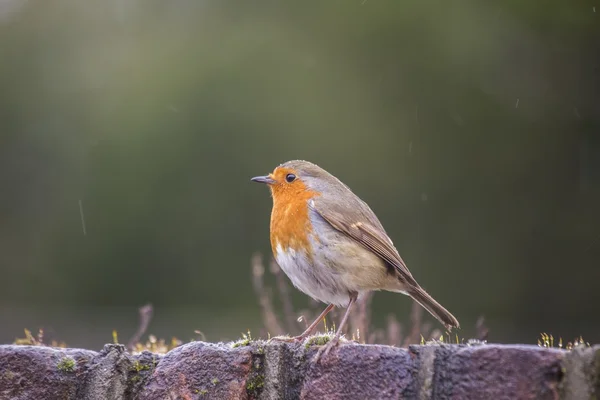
332	246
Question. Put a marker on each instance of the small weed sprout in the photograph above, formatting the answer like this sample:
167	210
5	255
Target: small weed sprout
244	341
30	340
547	341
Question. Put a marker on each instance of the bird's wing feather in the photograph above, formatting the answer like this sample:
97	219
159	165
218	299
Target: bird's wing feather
360	223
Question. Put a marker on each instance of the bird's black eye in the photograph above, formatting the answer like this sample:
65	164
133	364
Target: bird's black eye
289	178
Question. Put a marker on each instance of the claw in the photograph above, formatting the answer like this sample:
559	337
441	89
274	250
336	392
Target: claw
287	339
324	351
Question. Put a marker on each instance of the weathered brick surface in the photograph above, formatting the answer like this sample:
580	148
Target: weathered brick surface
203	370
497	372
28	372
360	372
582	374
107	374
287	371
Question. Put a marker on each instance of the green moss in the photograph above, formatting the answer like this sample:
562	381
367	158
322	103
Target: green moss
255	384
67	364
138	371
215	381
244	341
203	392
138	366
240	343
317	340
256	379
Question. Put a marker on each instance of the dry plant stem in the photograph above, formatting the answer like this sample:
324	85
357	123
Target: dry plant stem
284	294
146	313
416	322
269	317
323	351
360	319
482	330
394	331
308	330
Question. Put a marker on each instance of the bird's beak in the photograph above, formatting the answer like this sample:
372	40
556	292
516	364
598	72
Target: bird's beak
263	179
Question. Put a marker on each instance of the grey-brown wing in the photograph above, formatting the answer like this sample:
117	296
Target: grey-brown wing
355	222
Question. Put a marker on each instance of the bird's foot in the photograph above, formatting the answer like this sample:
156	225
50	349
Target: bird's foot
289	339
324	351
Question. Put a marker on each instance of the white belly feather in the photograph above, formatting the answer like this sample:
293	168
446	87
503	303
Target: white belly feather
338	266
323	285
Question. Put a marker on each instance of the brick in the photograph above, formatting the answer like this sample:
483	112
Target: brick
200	370
582	373
497	372
33	372
361	372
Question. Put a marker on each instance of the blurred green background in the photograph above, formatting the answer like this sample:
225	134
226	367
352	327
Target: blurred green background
471	128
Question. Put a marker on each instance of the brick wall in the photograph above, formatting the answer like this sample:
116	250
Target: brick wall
285	371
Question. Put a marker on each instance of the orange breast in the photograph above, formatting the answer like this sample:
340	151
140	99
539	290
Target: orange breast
290	224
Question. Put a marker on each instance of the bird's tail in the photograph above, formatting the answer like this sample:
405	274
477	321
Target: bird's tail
434	308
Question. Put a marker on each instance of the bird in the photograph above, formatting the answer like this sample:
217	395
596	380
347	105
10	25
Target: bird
332	246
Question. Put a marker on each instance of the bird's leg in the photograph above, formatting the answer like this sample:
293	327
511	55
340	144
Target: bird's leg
323	351
308	330
316	322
